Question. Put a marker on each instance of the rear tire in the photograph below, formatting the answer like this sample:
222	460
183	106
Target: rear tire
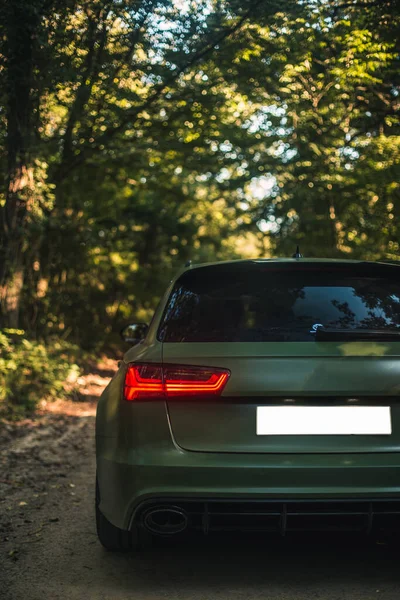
115	539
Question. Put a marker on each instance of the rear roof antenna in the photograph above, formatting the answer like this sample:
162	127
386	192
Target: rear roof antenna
297	253
188	263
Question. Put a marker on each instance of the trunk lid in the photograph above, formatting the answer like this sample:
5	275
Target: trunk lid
285	374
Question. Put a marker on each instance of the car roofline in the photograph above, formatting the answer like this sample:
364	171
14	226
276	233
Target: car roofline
192	266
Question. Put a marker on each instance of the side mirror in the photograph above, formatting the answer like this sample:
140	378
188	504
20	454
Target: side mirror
135	333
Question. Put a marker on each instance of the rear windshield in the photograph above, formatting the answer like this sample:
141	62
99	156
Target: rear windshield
260	303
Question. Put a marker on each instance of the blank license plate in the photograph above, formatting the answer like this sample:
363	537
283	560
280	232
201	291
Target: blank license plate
324	420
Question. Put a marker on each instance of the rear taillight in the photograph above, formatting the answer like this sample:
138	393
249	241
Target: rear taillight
146	381
143	381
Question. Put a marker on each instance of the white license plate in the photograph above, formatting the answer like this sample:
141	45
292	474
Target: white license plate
324	420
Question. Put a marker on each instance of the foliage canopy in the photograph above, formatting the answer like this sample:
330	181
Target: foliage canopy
140	133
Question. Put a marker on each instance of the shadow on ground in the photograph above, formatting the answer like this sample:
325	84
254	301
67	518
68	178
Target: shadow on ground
239	566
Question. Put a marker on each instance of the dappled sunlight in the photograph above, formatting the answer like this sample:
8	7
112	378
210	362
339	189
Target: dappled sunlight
68	407
141	141
365	349
86	391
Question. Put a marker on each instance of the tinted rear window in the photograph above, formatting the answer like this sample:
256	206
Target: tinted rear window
258	302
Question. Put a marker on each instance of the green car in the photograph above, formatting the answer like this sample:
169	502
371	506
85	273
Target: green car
264	395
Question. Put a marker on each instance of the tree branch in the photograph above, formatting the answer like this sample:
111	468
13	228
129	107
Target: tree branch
158	92
89	76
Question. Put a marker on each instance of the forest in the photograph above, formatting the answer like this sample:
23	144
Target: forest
138	134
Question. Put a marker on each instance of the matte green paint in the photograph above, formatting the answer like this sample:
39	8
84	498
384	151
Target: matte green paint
206	449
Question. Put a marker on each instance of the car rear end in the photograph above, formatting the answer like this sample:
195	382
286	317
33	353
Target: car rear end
236	412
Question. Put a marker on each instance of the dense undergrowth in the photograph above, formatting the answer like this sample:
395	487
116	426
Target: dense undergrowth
31	371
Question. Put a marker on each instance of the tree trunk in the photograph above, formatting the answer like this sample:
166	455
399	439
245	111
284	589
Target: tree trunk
13	296
22	21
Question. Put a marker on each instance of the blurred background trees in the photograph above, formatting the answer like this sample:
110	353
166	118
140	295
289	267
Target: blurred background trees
138	134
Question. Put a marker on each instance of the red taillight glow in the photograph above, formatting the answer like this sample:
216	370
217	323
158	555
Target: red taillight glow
144	381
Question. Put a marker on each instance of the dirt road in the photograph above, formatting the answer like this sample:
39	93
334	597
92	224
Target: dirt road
49	549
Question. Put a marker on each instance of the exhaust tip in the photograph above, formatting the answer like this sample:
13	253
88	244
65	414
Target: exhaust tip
165	520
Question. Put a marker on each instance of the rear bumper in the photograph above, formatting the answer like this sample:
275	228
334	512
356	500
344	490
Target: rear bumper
281	516
130	478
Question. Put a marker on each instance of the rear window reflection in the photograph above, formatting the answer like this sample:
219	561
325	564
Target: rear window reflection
227	304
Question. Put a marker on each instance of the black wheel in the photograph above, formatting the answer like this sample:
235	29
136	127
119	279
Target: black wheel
118	540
